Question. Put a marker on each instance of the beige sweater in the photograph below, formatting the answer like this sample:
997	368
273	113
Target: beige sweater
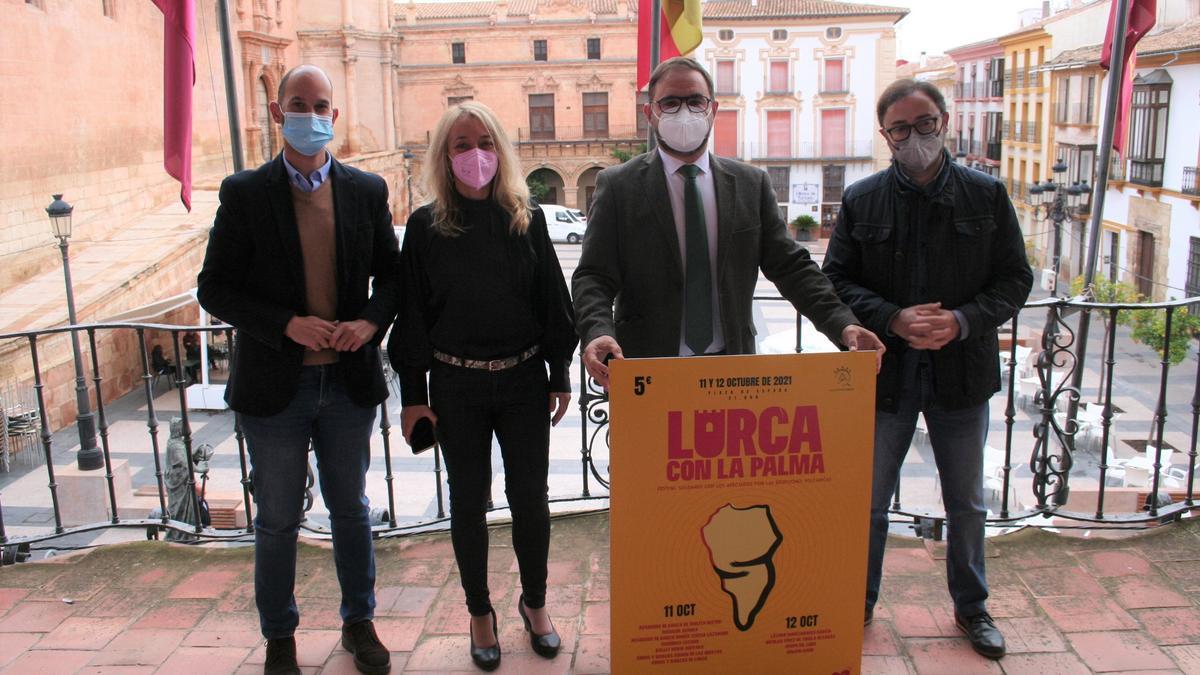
318	246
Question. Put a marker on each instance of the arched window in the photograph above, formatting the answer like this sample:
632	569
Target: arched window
266	144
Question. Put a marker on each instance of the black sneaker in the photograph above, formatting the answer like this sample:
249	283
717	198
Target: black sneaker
281	657
370	656
982	632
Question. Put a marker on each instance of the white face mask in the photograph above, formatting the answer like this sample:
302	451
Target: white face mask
917	153
684	130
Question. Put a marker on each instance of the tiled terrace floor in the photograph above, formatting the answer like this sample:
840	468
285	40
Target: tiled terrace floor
1066	604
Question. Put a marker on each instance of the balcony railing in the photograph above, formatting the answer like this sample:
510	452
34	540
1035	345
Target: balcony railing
1021	74
1032	134
997	87
993	151
1189	187
1116	168
1076	113
1006	131
808	150
1048	381
1008	80
1146	172
568	134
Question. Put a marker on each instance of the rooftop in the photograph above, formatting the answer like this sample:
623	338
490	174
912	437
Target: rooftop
1183	37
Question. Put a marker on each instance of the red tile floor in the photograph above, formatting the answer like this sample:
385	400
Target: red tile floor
1066	604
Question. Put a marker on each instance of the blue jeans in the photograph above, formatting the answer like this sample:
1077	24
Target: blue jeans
340	432
957	438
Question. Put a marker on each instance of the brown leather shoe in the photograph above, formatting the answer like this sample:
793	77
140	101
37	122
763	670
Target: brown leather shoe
370	656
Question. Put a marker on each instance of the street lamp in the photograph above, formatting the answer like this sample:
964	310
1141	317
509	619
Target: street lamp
89	457
408	158
1054	201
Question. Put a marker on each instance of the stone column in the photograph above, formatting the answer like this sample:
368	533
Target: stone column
389	120
351	106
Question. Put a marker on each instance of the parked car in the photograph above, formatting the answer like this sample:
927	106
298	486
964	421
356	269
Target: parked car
563	225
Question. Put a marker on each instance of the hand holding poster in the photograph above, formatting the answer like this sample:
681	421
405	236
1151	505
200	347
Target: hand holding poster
740	501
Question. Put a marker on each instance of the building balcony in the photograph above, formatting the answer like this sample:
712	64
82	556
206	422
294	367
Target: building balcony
1188	185
1146	172
808	151
1032	132
994	150
573	134
1076	113
1133	557
997	88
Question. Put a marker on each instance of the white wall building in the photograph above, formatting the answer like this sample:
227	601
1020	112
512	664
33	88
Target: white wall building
797	84
979	104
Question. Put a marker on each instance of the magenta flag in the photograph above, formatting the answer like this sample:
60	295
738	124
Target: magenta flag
179	75
1142	15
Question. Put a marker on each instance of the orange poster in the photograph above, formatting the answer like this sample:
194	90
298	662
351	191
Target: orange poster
740	499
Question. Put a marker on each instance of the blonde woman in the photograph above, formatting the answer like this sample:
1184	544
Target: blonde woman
485	314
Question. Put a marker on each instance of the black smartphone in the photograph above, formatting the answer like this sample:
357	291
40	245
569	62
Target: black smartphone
422	437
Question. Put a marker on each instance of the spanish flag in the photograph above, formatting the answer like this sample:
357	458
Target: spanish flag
681	21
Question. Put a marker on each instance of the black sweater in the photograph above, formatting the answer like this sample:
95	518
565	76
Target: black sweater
483	294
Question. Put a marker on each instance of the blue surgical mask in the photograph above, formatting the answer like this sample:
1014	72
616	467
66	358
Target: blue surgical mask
307	133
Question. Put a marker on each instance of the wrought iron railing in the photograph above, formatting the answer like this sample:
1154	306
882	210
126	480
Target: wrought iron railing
1188	186
1058	382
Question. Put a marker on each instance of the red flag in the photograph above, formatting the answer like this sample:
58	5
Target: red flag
179	75
667	48
1142	15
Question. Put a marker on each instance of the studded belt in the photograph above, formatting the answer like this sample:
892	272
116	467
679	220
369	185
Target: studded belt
492	365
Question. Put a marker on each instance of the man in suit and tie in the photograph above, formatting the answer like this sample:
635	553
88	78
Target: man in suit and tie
676	238
303	262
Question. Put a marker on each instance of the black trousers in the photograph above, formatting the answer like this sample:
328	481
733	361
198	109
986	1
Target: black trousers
471	406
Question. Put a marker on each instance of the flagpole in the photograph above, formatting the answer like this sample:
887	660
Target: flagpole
655	55
1116	74
235	124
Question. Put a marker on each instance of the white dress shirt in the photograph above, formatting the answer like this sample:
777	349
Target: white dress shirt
708	194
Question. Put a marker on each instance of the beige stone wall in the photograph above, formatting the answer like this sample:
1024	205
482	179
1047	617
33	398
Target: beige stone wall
120	361
500	72
83	117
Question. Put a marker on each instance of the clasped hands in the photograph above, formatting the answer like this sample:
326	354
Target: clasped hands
316	333
926	326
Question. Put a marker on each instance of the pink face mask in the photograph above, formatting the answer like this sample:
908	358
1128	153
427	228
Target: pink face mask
474	167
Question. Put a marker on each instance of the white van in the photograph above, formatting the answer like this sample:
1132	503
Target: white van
563	225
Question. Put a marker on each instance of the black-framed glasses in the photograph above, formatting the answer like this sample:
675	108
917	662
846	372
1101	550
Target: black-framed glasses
671	104
924	126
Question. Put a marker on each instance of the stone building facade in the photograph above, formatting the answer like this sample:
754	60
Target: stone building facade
560	75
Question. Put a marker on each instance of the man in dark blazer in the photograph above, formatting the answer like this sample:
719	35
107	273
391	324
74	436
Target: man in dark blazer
680	295
303	262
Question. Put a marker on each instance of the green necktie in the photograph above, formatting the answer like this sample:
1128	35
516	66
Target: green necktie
697	309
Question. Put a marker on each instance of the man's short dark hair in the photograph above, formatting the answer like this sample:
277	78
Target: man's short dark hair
901	88
677	63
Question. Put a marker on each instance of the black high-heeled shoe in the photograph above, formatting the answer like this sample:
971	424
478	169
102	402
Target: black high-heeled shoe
487	658
547	644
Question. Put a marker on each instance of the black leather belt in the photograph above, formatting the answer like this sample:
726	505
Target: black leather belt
492	365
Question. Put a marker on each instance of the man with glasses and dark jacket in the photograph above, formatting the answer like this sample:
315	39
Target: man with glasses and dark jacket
929	255
676	238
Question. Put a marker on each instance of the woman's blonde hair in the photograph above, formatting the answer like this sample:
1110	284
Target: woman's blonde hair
508	187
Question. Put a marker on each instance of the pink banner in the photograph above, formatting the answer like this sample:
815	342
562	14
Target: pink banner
179	76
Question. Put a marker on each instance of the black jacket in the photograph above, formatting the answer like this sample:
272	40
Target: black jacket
629	281
976	265
253	279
